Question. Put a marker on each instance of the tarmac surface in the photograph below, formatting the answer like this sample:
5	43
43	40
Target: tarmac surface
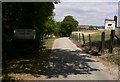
67	62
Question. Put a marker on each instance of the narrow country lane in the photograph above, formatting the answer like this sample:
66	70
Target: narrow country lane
67	62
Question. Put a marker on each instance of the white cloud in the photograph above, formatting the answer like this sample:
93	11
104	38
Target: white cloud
87	12
89	0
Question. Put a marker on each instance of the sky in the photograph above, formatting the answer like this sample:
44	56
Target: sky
119	14
87	12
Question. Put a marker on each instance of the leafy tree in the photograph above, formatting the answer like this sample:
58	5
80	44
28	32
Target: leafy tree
49	26
57	28
68	25
24	15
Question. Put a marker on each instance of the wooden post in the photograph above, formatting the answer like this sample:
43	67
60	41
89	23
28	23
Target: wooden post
90	44
115	19
103	42
112	35
75	37
112	41
83	39
117	38
79	37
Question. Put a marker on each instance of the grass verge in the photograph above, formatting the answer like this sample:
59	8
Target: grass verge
49	43
29	67
114	58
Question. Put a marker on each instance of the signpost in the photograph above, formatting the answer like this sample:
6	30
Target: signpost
25	41
111	25
24	34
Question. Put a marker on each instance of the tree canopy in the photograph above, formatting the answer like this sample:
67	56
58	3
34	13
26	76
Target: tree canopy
24	15
68	25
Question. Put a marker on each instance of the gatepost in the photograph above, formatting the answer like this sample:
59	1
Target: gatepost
112	35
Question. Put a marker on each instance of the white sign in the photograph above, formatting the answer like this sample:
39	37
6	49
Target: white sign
109	24
24	34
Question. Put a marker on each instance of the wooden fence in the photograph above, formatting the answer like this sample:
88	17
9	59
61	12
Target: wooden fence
102	44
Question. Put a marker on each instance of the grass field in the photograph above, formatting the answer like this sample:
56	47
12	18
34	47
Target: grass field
96	36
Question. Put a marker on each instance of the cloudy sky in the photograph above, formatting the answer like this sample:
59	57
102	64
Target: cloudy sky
87	12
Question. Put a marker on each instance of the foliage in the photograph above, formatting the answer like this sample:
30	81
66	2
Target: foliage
52	27
68	25
57	28
49	43
24	15
49	25
114	58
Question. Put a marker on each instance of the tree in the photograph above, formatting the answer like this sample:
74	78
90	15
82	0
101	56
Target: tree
24	15
49	26
68	25
57	28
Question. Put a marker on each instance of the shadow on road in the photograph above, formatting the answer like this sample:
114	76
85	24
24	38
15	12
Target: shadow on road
60	62
65	62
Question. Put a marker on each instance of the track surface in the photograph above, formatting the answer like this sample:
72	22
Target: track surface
67	62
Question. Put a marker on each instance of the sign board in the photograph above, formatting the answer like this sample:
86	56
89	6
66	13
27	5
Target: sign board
109	24
24	34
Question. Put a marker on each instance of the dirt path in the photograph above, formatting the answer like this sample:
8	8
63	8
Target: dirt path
68	63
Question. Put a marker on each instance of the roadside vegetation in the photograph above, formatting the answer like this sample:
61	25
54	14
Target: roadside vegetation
96	42
114	58
29	56
38	16
30	66
49	42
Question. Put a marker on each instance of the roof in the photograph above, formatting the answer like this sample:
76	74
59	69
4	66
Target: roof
109	20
